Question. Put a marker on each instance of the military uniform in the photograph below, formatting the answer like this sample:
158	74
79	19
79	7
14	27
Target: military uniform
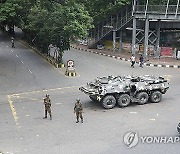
47	104
12	41
78	109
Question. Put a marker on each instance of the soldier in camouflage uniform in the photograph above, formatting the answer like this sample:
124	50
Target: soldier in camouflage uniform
78	109
47	104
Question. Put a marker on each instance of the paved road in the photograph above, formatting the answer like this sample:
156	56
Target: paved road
25	78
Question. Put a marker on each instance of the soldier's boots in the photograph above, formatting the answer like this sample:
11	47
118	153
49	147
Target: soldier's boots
50	117
45	117
78	121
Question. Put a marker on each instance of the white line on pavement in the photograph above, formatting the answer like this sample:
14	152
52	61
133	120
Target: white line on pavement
134	112
152	119
30	71
101	66
38	91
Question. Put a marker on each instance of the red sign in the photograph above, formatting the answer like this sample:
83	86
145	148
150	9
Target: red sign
166	51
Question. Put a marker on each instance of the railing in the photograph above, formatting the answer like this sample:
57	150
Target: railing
112	23
116	22
123	21
160	9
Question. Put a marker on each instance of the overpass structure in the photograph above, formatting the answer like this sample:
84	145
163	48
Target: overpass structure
145	22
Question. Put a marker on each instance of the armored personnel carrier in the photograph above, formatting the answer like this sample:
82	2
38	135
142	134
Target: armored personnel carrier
126	89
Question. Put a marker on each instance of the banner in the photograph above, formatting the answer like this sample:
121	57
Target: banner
166	51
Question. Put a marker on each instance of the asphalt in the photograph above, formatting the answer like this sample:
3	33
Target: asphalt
25	78
168	62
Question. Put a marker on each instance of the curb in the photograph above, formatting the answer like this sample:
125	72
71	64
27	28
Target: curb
70	74
50	60
124	59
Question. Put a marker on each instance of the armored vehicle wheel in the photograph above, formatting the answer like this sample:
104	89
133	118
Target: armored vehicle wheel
123	100
93	99
156	97
108	102
142	98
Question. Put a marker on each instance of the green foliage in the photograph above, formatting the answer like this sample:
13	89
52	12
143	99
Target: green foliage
44	21
77	20
100	9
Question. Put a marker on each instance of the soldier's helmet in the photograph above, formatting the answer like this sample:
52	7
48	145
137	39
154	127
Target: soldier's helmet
47	95
77	100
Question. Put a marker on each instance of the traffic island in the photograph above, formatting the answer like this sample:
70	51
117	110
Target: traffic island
50	59
70	72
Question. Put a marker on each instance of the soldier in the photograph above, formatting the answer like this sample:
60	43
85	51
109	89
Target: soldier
12	41
47	104
78	109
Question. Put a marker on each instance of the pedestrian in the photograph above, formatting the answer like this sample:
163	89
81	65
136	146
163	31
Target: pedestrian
47	105
141	60
12	41
132	60
78	109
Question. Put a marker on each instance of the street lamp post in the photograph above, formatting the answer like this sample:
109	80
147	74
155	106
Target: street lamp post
114	40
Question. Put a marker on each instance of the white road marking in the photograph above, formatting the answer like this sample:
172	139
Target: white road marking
152	119
87	60
7	46
58	103
30	71
27	115
101	66
168	77
33	99
38	91
134	112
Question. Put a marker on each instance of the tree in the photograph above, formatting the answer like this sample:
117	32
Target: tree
66	21
100	9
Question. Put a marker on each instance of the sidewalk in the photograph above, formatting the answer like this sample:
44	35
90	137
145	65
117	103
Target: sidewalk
155	62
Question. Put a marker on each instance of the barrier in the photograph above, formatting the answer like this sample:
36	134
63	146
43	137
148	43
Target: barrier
70	70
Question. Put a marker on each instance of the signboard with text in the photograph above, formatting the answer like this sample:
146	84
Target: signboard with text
166	51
